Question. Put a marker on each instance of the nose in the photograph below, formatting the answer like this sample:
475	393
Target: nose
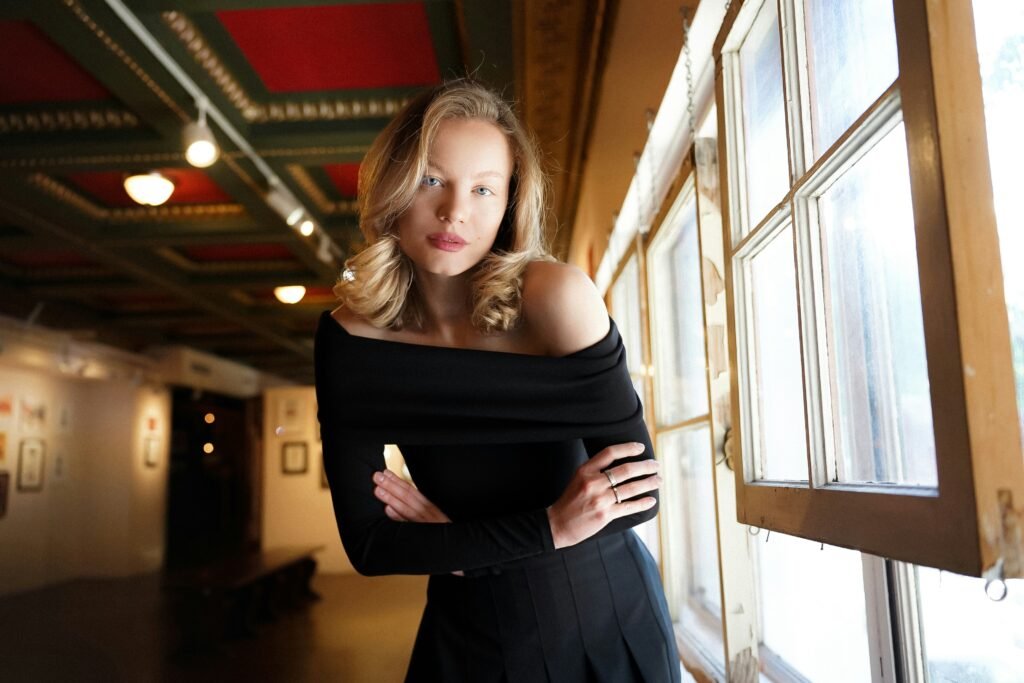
452	209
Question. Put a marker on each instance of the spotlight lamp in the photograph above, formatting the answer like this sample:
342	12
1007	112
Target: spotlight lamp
149	189
306	227
284	204
290	294
201	147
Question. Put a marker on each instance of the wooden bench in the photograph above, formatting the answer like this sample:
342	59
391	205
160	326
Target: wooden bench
230	597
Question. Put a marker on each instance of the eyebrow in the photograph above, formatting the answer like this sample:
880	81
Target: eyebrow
481	174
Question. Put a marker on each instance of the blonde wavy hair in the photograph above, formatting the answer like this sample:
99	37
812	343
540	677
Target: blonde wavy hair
378	282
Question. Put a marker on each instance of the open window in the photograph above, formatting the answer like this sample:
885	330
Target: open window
875	400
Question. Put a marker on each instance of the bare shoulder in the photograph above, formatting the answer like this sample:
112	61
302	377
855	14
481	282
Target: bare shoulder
562	307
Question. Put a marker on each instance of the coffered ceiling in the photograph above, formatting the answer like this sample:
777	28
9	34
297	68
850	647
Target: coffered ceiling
84	100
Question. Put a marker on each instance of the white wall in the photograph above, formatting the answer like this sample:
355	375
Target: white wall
101	510
297	511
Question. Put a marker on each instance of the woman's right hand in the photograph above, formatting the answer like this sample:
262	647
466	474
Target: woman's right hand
589	502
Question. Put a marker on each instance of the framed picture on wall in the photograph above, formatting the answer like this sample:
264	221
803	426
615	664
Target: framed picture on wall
151	451
291	413
5	483
31	458
294	457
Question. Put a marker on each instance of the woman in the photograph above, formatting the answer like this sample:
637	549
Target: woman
501	377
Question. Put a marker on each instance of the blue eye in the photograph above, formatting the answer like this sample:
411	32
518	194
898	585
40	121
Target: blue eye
430	181
483	191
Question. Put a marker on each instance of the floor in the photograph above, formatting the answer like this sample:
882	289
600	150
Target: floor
121	630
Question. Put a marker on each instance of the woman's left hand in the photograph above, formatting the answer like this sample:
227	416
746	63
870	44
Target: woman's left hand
403	502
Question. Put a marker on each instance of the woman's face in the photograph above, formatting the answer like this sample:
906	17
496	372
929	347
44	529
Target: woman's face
458	207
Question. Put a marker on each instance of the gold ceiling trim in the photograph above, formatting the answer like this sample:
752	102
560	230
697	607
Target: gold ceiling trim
222	267
344	207
68	196
95	160
125	58
73	119
65	194
336	150
257	112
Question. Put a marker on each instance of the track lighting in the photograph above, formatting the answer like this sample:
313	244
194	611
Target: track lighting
284	204
149	189
306	228
201	147
290	294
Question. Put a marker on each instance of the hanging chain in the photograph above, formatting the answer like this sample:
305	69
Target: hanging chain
688	61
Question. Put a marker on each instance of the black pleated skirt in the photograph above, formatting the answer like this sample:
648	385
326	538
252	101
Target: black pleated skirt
593	612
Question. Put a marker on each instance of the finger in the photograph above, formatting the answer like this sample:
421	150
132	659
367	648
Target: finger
393	514
614	452
400	490
635	488
399	504
631	507
632	470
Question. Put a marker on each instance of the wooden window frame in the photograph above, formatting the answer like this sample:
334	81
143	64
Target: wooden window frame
972	523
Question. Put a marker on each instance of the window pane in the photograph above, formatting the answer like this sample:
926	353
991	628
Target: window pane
689	485
881	402
678	320
774	337
764	117
813	613
968	638
626	311
999	25
851	60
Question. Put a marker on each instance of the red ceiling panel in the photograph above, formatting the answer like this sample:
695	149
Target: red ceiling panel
345	177
190	187
296	49
239	252
53	76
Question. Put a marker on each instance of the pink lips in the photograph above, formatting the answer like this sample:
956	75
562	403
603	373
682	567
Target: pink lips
446	241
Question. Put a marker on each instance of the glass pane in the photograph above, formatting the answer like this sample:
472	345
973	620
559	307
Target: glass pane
678	321
774	337
687	457
851	60
813	614
764	118
881	402
626	311
969	638
999	25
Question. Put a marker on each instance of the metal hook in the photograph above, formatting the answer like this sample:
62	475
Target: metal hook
995	582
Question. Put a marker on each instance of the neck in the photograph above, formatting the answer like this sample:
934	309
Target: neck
447	305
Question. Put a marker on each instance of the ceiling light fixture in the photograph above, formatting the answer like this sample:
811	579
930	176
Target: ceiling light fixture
306	227
149	189
284	204
201	147
290	294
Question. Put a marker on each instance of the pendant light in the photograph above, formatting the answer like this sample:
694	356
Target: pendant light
290	294
149	189
201	148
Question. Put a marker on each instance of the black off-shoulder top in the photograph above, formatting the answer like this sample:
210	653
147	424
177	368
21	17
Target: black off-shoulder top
491	437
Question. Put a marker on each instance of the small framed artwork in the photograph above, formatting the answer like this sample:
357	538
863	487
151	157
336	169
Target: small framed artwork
323	471
60	465
31	458
291	411
5	483
32	416
151	451
294	457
